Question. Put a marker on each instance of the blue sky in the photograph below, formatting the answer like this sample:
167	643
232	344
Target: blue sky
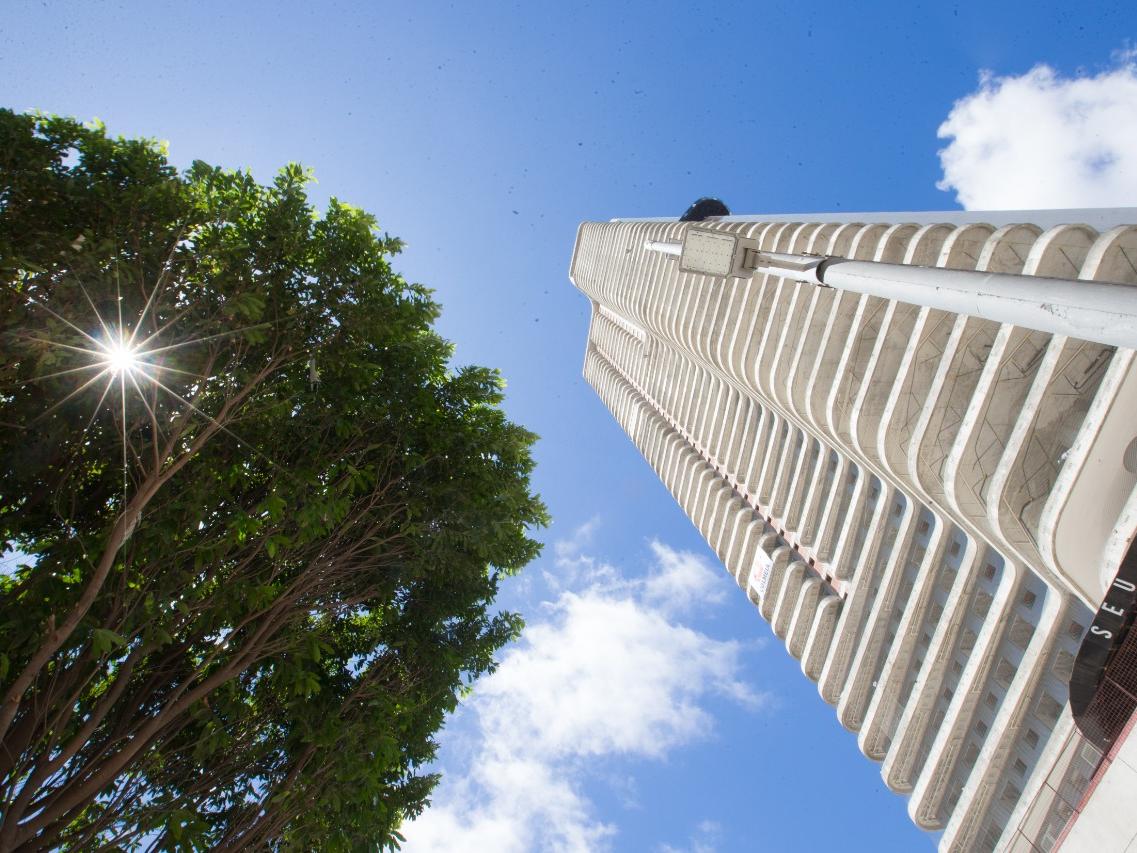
483	134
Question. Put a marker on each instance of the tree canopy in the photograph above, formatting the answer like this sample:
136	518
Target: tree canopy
257	519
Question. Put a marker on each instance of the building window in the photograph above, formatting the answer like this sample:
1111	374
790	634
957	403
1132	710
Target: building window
1020	632
969	755
1004	672
1063	665
1048	709
1011	795
981	604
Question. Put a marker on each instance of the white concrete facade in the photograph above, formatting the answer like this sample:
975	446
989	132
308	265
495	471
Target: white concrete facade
920	503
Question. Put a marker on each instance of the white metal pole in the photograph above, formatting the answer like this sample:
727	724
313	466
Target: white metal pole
1090	310
675	249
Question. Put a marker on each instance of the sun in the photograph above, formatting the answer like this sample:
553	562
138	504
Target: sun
133	360
120	357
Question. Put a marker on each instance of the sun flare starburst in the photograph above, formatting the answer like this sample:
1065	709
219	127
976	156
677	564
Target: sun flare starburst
130	361
120	357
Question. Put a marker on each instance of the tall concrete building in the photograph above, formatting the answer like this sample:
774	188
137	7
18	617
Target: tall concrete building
922	477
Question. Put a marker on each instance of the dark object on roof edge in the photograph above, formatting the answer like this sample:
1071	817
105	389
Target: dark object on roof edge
704	208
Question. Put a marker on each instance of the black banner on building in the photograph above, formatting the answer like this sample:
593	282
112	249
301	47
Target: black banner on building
1100	710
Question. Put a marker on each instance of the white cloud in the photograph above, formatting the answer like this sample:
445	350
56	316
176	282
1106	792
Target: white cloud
569	550
703	840
1042	140
684	580
575	567
606	672
606	675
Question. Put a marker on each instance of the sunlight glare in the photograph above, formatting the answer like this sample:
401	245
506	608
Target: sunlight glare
121	358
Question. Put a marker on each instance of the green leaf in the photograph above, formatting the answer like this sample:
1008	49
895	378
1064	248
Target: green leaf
104	640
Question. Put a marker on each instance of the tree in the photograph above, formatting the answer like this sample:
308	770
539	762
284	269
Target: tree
260	521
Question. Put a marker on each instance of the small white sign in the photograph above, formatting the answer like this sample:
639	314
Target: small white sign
765	564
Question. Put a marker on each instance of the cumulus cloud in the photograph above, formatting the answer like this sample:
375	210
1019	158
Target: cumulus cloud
682	581
606	672
1044	140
